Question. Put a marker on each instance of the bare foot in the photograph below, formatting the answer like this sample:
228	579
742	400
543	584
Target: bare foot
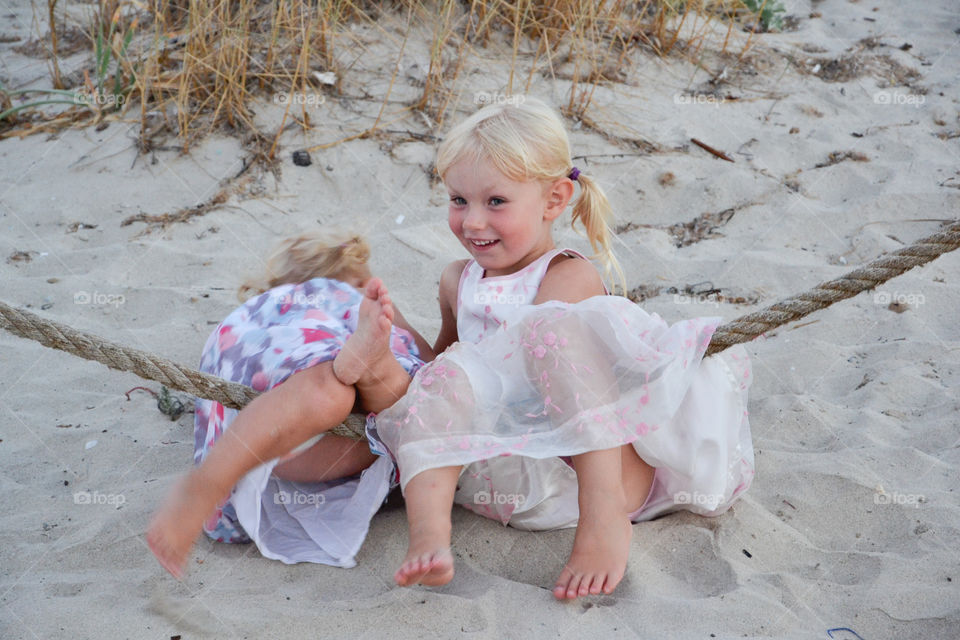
600	550
365	352
178	523
428	562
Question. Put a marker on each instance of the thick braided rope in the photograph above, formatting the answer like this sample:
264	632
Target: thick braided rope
823	295
146	365
235	395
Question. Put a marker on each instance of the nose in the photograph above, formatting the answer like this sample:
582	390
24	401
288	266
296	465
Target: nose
475	218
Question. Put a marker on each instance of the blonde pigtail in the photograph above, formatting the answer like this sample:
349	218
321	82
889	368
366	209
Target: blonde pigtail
593	211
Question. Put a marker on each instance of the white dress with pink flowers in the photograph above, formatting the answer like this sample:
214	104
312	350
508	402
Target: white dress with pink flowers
530	385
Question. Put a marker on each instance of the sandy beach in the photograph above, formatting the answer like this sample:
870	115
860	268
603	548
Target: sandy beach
844	136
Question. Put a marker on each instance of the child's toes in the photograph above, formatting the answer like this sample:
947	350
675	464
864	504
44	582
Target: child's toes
596	587
568	585
580	588
409	571
586	586
560	588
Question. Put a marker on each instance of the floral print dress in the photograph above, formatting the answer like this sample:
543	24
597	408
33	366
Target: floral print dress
263	342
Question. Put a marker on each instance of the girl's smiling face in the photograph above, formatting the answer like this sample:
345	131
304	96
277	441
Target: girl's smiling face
504	224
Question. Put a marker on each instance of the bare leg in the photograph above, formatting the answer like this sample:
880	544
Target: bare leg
309	402
331	458
612	484
637	478
429	498
366	360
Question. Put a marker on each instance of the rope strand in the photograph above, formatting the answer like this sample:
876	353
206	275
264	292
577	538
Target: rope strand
823	295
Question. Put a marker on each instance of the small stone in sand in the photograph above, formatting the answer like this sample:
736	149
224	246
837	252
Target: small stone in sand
20	256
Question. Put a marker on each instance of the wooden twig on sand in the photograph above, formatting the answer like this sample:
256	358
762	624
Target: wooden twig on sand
182	215
706	147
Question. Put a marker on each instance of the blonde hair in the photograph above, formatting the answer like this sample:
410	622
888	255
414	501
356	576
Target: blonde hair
311	255
525	140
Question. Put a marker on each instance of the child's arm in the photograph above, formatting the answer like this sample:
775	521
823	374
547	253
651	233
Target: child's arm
569	280
449	288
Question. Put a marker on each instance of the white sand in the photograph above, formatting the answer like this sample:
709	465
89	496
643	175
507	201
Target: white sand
853	519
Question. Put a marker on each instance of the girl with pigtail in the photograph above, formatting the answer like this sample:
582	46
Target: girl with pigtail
553	404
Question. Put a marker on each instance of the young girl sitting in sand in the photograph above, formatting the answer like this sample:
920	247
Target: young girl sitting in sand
275	475
559	406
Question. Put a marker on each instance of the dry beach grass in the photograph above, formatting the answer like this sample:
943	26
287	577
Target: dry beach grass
200	63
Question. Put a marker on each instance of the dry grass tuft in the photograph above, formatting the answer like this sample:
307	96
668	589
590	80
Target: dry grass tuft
190	66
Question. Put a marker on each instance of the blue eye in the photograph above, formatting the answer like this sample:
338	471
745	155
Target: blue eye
458	201
497	201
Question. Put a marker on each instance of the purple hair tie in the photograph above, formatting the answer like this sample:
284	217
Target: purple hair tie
574	174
